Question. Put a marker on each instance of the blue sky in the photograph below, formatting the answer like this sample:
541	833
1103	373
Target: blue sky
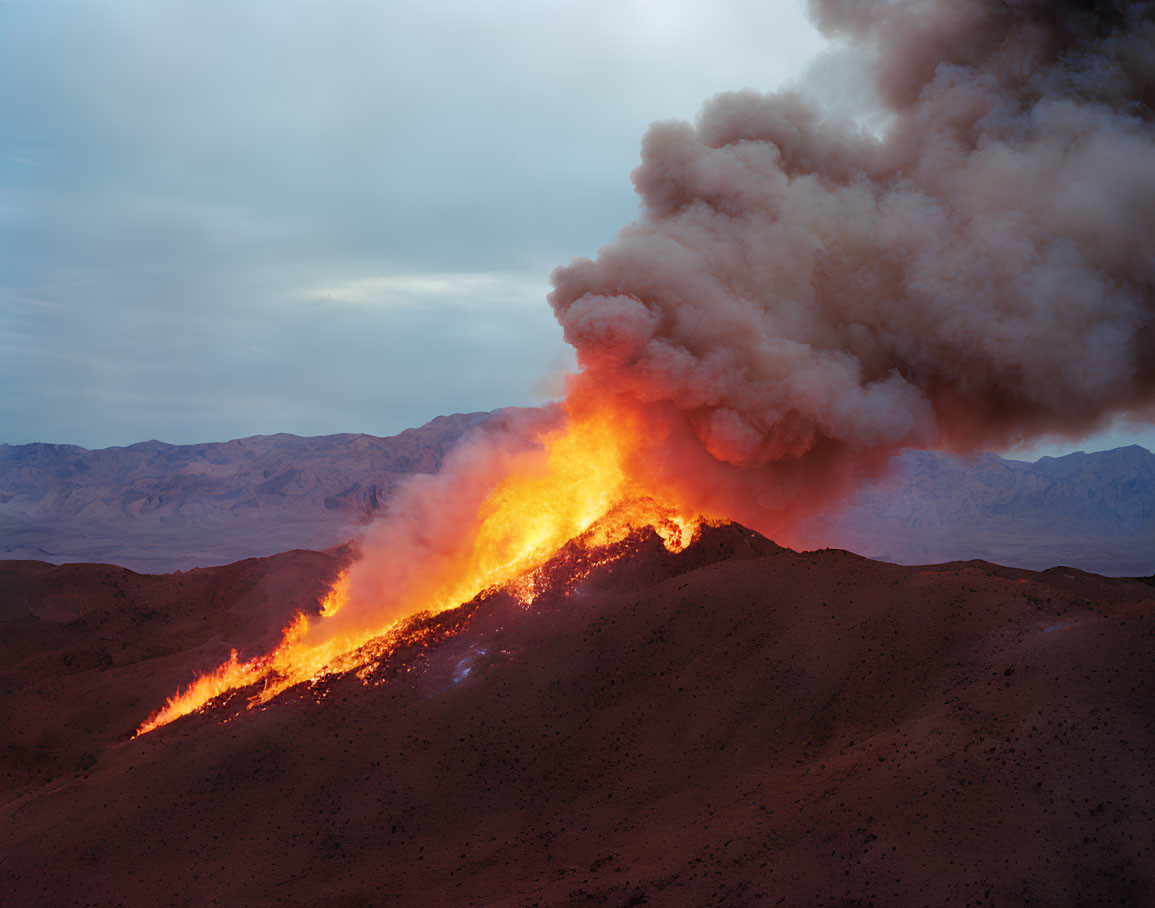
220	218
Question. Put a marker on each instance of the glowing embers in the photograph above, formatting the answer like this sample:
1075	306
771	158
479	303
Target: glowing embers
574	495
405	649
229	676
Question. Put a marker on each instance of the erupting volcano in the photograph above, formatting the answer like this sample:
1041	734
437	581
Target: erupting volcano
574	662
802	298
578	484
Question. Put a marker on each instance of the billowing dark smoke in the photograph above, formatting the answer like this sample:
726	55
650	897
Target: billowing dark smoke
802	297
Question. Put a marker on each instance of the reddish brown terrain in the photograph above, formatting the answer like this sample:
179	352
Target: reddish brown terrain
737	724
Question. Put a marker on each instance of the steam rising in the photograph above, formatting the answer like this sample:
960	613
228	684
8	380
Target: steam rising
802	297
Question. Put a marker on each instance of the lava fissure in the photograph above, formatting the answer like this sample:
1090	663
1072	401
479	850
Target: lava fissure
801	299
398	652
574	496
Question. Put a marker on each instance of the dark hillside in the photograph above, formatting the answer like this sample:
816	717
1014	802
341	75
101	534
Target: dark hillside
739	724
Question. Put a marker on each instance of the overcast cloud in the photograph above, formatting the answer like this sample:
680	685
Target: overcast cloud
223	218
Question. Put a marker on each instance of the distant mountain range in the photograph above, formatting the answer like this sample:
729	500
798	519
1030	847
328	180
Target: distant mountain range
160	507
1091	511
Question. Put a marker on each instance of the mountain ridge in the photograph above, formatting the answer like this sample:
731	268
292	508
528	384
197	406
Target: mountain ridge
1093	511
156	506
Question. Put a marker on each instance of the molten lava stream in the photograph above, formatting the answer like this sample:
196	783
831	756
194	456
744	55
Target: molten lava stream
574	487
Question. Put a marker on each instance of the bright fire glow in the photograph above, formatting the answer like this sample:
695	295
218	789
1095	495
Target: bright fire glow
576	487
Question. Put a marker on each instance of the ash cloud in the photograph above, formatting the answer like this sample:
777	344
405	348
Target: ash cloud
802	297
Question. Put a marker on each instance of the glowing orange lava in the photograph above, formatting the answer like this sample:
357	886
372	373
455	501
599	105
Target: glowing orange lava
576	486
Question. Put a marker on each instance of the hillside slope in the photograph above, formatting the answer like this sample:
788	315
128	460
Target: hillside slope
738	724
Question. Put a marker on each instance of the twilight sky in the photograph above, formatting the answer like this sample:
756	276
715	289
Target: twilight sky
223	218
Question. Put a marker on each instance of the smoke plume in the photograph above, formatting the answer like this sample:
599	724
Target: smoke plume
803	296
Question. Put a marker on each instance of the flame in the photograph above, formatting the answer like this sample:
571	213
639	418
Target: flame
577	486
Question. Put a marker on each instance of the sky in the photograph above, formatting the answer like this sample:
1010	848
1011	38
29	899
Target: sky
221	218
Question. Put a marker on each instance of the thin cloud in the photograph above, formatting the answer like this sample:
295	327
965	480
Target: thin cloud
473	290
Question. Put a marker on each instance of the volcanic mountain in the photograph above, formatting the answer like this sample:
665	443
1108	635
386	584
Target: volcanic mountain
733	724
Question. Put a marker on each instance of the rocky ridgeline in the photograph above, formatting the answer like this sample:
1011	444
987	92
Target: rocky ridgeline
162	507
1092	511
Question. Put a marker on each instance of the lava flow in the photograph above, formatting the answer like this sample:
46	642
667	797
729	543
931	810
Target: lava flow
802	298
574	485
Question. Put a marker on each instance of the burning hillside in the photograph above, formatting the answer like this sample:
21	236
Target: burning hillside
558	671
801	299
732	724
573	489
